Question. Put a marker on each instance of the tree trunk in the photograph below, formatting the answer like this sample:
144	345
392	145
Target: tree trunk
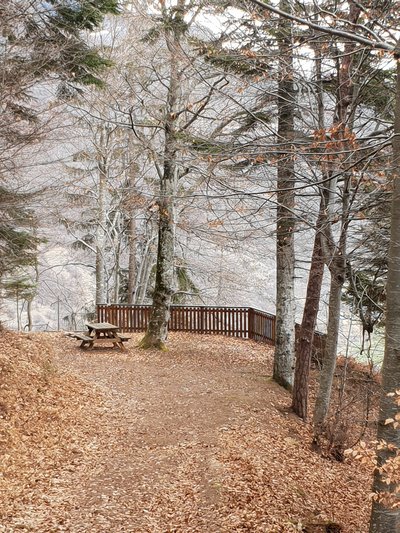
330	354
157	330
101	297
29	313
18	312
337	267
383	519
285	305
145	267
337	259
116	232
305	338
132	236
131	259
117	273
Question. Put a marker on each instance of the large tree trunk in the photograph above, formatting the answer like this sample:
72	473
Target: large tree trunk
117	232
117	272
157	330
285	304
384	519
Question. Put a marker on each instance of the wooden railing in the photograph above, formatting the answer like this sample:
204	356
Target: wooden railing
244	322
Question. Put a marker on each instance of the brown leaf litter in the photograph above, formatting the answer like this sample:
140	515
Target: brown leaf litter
195	439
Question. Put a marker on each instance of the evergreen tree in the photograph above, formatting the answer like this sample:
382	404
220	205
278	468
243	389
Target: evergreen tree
18	245
40	42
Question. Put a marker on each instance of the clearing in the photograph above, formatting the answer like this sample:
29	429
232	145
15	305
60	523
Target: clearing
195	439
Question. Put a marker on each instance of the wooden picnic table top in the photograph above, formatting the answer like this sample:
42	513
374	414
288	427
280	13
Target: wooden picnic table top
102	326
101	333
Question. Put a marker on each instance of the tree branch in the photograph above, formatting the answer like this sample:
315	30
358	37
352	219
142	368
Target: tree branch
380	45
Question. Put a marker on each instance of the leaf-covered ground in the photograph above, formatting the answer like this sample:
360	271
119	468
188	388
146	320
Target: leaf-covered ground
195	439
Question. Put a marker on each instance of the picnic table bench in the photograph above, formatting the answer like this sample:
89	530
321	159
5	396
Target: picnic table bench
100	333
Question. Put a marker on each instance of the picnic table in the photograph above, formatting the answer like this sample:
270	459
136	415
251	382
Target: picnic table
100	333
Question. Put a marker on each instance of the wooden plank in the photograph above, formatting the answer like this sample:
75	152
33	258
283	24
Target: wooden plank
82	337
176	319
124	316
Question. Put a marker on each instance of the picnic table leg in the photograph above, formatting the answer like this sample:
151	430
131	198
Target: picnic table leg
86	345
117	342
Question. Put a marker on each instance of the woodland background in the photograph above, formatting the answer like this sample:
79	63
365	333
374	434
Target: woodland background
81	169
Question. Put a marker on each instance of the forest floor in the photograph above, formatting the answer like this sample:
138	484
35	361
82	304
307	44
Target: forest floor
194	439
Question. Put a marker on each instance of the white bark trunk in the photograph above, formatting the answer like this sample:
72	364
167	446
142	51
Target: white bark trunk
101	290
131	259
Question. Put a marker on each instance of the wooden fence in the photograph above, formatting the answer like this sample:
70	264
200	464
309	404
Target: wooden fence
244	322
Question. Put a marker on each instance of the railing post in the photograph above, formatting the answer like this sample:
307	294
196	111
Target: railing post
250	323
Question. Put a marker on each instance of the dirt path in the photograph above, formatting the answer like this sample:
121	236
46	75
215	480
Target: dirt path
197	439
154	462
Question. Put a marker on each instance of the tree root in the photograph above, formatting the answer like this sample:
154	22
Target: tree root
149	342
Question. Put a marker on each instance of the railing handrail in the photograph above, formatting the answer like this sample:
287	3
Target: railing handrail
188	305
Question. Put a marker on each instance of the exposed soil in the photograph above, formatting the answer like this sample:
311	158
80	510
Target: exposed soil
195	439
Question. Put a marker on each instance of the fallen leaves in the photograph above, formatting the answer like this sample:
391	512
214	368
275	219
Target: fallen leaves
195	439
